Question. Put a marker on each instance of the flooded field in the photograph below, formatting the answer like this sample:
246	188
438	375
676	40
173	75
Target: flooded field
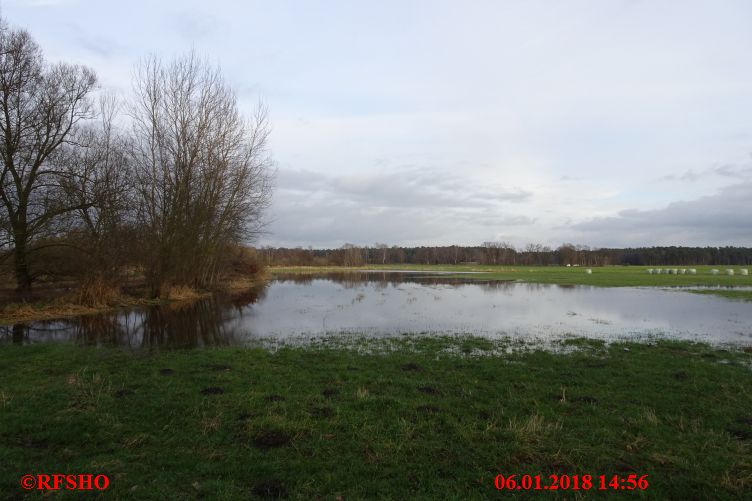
299	308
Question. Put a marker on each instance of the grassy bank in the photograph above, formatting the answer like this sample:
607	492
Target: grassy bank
606	276
419	418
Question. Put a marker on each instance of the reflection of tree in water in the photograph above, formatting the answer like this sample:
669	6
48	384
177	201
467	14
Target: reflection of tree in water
41	331
201	323
295	278
253	295
175	325
117	329
497	285
382	279
17	333
180	325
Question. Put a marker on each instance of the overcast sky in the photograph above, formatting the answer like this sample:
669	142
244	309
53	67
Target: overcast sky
607	123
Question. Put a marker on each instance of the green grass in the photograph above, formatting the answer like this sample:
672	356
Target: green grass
414	418
605	276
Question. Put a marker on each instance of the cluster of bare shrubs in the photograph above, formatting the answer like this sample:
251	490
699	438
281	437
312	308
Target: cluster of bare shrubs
164	185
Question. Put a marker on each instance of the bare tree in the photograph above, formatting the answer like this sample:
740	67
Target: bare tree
383	251
202	171
98	182
351	255
40	104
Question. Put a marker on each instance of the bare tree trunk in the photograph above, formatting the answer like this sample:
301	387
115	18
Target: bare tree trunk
21	264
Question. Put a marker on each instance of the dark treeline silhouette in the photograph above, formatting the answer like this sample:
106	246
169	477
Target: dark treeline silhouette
505	254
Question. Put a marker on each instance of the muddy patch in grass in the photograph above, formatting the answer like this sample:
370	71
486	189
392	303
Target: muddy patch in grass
270	439
681	375
329	392
218	367
212	390
33	443
742	429
322	412
270	489
411	367
585	399
595	363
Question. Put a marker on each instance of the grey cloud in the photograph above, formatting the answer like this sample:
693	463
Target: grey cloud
730	171
724	218
412	206
408	187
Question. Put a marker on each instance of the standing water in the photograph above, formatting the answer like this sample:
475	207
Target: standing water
296	309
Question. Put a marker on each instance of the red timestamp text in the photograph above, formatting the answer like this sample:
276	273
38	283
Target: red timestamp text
556	482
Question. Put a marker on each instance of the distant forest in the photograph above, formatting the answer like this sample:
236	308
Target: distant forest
505	254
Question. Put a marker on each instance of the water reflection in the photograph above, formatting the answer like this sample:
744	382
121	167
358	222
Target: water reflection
383	304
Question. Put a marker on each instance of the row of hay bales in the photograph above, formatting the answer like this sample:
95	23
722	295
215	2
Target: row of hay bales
672	271
693	271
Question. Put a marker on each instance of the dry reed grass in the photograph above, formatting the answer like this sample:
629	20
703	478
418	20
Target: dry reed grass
97	292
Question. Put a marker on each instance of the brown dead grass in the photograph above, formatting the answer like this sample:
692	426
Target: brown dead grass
182	293
240	284
99	296
98	292
23	312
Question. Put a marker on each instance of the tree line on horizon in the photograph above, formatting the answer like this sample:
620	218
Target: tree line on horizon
166	181
501	253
